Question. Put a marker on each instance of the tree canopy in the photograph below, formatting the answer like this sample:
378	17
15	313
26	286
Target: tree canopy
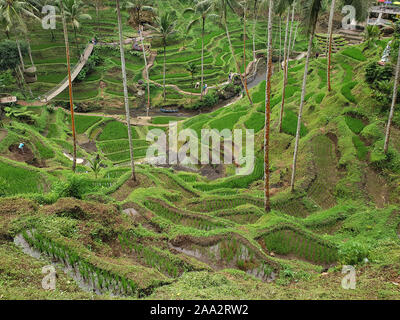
9	57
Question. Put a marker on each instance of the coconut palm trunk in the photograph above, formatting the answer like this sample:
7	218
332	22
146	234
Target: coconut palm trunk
71	102
244	50
20	81
76	41
30	51
285	61
280	40
235	60
202	56
290	38
303	95
164	69
254	36
20	55
330	31
391	114
267	202
147	73
295	36
124	81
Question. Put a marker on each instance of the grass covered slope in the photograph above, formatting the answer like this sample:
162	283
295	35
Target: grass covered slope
180	235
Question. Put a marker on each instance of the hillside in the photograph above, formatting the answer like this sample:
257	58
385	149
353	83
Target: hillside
200	232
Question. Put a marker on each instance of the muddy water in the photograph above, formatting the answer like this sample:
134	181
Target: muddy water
212	256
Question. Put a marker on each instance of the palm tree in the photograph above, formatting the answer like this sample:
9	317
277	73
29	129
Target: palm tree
141	36
97	5
255	17
95	165
74	11
222	7
204	9
282	5
267	203
124	81
13	13
395	92
245	8
362	8
311	11
71	102
371	34
164	28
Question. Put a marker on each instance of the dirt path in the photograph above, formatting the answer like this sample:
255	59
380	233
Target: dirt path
376	188
3	134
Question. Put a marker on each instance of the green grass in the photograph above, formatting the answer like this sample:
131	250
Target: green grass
165	120
116	130
82	123
362	150
354	53
346	91
355	125
16	180
256	122
289	124
226	122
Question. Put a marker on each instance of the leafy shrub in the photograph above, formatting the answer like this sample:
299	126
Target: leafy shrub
75	187
209	100
93	61
383	94
352	252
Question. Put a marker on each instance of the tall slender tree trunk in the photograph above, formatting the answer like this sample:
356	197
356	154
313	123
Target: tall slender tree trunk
330	31
30	51
295	36
76	43
303	95
20	55
267	202
285	61
24	81
255	16
147	73
234	58
98	18
391	114
254	38
71	102
290	38
20	82
53	38
202	57
164	71
244	51
280	40
124	80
